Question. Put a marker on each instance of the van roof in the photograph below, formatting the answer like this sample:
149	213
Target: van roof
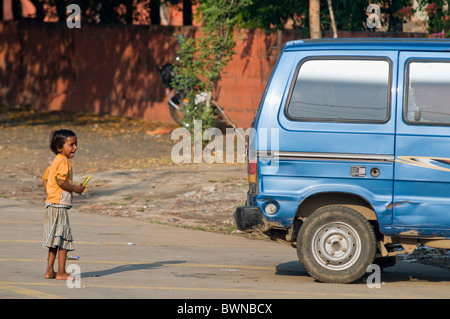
370	44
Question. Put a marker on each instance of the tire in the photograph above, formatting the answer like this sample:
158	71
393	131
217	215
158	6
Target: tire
336	244
177	114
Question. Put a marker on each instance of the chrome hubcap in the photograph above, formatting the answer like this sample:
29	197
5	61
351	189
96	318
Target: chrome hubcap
336	246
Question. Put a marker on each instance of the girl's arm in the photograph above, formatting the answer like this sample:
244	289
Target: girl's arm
45	178
70	187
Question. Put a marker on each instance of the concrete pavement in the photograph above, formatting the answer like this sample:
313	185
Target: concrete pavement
126	258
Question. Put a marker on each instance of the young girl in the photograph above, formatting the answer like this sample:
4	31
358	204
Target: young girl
57	182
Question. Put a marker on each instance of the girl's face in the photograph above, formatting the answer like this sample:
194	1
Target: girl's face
70	147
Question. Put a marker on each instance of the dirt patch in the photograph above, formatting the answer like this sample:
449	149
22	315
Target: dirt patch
131	168
202	196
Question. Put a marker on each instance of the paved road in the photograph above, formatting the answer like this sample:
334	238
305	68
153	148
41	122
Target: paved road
125	258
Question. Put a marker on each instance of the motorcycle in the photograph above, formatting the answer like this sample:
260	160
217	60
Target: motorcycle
178	101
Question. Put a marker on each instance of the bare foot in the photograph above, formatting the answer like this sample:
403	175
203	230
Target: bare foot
62	276
50	275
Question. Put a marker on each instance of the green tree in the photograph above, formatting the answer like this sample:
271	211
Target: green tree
438	20
349	15
203	58
269	14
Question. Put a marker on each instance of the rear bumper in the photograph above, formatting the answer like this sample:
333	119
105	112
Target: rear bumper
250	218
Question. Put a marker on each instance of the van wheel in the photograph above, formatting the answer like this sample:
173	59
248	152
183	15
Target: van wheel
336	244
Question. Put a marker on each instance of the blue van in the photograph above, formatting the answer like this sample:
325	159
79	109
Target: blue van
349	156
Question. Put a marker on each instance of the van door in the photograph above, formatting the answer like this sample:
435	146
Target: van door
422	148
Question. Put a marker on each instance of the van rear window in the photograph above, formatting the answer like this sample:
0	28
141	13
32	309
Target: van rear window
427	92
341	90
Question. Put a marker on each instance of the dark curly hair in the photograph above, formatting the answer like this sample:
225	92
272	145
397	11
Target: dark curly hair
58	138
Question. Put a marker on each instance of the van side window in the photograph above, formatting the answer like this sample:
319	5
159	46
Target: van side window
341	90
427	93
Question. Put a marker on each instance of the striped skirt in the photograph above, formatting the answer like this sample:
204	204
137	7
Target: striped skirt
57	232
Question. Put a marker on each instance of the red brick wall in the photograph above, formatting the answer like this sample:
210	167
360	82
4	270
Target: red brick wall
112	69
98	69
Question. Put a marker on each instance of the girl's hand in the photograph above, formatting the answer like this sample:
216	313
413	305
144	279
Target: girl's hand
70	187
79	189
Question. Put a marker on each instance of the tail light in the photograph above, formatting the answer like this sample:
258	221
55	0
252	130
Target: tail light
252	170
252	162
253	175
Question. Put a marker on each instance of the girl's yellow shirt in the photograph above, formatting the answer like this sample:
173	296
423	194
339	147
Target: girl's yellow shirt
60	169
